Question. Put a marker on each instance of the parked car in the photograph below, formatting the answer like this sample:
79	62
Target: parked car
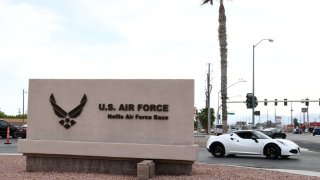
22	131
297	131
316	131
218	129
251	142
232	129
3	129
274	133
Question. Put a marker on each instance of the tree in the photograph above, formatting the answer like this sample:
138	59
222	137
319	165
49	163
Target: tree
20	116
295	122
202	116
222	33
2	115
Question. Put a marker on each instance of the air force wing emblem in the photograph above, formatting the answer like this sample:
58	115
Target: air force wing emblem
67	118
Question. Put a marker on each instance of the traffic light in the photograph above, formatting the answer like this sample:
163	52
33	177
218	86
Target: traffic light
275	102
285	102
249	100
265	102
255	101
307	102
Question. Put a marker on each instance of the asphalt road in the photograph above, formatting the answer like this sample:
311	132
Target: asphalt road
312	143
8	148
309	159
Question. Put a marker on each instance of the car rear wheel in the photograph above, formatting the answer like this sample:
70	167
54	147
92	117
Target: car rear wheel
284	136
217	150
272	151
14	135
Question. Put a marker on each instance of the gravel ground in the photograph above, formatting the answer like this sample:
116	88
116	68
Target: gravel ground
13	167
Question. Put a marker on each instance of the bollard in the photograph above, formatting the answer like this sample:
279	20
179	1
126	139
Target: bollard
8	134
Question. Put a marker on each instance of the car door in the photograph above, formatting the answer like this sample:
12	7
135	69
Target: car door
3	127
246	143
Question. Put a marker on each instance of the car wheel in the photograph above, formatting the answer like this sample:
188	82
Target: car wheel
217	150
272	151
284	157
14	135
284	136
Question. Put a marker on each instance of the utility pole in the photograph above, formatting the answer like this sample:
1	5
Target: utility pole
23	92
275	115
291	113
307	118
208	97
23	104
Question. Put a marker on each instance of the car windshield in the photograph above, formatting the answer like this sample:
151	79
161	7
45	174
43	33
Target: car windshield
219	126
260	135
251	135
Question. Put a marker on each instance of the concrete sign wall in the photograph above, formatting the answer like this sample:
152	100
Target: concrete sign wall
111	118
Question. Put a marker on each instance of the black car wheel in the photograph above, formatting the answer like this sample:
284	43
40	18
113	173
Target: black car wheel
272	151
14	135
217	150
284	136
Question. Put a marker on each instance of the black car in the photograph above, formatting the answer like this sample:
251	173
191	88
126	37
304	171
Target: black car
274	133
3	129
22	131
316	131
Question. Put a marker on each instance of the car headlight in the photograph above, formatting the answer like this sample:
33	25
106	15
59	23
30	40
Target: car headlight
282	143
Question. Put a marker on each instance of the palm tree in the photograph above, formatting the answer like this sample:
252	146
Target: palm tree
222	33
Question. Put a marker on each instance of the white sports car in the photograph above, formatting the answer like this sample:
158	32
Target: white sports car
251	142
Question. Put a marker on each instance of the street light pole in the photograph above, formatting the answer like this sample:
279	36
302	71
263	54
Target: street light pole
208	98
23	104
253	100
239	81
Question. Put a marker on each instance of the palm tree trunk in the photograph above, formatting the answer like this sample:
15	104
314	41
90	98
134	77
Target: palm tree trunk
223	55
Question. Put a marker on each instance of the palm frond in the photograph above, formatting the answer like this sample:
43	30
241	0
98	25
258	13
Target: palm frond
206	1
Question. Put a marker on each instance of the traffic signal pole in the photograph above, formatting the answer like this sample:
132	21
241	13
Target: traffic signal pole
253	86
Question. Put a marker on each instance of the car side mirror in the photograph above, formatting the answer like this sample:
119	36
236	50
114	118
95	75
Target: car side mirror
255	139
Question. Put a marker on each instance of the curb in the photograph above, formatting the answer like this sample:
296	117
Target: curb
11	154
291	171
300	172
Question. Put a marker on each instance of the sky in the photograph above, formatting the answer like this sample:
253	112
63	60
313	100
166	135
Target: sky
143	39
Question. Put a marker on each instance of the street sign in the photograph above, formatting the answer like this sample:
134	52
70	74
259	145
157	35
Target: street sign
304	109
257	113
231	113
